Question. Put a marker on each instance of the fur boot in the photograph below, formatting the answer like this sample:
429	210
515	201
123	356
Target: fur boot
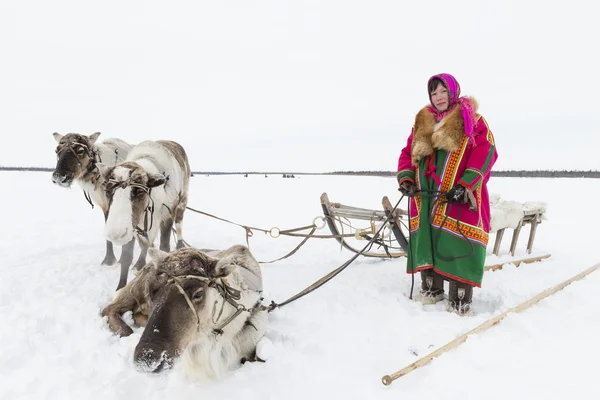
432	287
460	298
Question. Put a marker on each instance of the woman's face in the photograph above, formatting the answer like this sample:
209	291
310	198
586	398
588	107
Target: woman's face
439	98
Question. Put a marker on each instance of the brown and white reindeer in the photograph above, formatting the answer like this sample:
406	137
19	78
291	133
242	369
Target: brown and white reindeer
198	308
77	158
146	193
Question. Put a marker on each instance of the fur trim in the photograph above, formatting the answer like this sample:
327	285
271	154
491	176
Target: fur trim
471	200
421	144
446	134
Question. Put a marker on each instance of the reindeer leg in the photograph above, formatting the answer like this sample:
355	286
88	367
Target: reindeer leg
140	319
246	340
109	257
142	259
165	234
125	261
128	299
121	304
179	219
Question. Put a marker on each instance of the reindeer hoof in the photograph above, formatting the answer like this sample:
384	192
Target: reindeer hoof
110	259
244	360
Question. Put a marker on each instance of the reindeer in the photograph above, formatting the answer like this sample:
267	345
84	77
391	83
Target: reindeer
203	309
146	192
77	158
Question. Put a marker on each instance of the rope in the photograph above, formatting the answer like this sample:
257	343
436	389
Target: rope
333	273
293	251
274	232
226	220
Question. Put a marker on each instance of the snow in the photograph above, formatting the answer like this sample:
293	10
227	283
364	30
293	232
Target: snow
337	341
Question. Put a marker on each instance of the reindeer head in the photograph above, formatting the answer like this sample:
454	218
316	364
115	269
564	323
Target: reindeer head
74	157
185	308
128	190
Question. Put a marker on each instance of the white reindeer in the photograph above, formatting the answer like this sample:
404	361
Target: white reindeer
147	193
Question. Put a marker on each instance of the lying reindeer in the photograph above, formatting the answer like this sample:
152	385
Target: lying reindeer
76	159
203	309
147	192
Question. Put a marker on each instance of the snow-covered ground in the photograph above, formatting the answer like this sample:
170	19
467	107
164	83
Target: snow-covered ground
338	341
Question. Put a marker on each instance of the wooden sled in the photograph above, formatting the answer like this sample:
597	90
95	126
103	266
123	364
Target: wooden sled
336	214
340	217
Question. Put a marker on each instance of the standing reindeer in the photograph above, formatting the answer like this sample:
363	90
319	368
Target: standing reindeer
146	192
77	158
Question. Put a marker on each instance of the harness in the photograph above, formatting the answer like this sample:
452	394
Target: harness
112	184
94	157
229	294
90	153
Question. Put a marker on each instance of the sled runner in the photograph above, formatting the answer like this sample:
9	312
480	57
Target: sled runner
342	219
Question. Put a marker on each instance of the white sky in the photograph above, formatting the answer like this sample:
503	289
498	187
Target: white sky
296	85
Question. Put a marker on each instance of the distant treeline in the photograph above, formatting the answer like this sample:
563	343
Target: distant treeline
26	169
548	174
510	173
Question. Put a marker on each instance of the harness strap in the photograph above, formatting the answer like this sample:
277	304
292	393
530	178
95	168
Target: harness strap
333	273
240	309
88	198
227	292
187	299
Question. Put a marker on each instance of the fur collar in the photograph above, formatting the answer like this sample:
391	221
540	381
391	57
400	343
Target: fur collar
445	135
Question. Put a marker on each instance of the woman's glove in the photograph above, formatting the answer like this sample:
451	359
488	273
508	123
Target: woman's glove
408	188
461	195
458	194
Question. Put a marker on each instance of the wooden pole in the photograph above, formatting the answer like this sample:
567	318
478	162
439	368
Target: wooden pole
516	262
388	379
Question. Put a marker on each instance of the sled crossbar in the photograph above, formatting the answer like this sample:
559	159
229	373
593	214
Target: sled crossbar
342	211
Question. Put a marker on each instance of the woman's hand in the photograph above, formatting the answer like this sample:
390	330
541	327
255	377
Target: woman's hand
461	195
408	188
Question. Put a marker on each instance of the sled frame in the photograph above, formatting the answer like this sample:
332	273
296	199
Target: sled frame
336	211
333	211
533	219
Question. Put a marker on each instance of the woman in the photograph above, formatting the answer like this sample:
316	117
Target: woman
444	168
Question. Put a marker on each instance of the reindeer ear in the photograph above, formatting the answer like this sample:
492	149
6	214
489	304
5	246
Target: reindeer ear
223	267
157	255
57	136
93	137
155	180
104	169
